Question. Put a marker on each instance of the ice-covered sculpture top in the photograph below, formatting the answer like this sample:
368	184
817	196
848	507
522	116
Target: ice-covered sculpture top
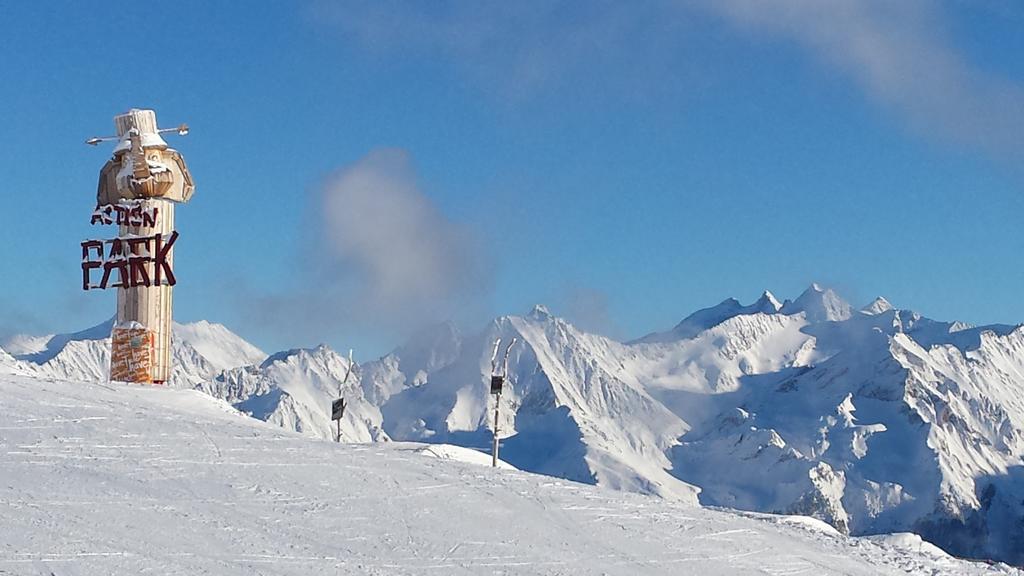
143	166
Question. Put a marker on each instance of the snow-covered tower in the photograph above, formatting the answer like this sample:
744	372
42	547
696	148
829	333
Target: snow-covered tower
138	190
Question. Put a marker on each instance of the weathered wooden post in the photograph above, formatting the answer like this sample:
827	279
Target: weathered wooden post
138	190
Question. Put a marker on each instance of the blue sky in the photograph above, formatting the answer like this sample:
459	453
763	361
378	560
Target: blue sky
365	167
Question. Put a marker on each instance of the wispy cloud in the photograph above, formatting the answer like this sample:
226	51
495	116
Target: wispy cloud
381	257
588	309
383	235
899	54
516	49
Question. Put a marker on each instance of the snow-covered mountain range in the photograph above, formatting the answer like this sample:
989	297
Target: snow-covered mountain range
873	420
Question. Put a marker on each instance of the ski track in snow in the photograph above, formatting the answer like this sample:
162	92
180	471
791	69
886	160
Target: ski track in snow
134	480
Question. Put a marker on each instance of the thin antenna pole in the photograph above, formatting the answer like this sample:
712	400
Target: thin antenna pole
504	367
344	380
494	357
341	394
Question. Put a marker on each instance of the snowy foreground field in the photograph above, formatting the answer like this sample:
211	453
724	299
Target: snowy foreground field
110	479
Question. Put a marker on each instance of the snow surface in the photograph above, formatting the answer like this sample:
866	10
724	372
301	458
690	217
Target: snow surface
875	421
219	346
877	306
706	318
42	349
819	305
880	422
200	351
117	479
25	344
460	454
909	541
295	390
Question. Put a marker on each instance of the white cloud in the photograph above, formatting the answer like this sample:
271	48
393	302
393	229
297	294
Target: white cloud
387	241
588	309
519	49
899	54
378	261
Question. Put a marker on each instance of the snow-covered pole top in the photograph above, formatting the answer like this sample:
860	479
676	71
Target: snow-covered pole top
141	122
504	364
144	121
494	358
348	372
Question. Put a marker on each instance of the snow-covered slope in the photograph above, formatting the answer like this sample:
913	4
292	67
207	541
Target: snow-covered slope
220	347
706	318
199	352
295	389
877	306
40	349
22	345
113	479
819	304
572	412
292	389
881	422
873	420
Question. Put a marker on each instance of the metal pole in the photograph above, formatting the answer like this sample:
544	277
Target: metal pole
498	377
341	389
494	450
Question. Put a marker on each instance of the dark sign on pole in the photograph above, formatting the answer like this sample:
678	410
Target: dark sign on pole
338	409
496	384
